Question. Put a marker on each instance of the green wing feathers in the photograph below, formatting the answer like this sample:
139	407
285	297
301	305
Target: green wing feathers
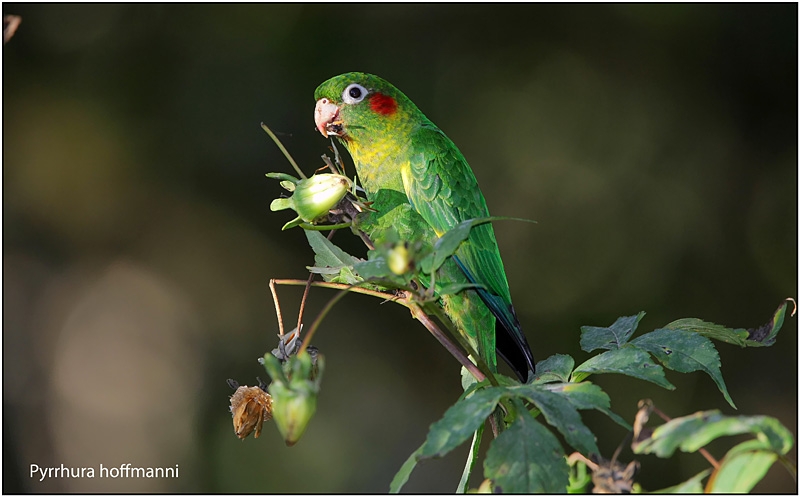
441	186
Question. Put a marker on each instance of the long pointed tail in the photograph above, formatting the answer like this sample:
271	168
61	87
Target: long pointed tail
510	341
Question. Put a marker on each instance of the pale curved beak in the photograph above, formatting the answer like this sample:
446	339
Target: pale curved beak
326	113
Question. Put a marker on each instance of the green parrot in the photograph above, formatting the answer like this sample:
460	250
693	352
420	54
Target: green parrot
421	186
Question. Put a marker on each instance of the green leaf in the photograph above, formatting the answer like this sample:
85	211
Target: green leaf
586	395
629	361
668	437
472	458
613	337
710	330
327	255
685	352
404	473
764	336
555	368
741	471
526	458
693	485
454	288
280	204
448	243
283	177
460	422
690	433
291	224
767	429
579	478
373	269
561	414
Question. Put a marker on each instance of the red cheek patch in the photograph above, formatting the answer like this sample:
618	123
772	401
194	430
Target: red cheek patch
383	104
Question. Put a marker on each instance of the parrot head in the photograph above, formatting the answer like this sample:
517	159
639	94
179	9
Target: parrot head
356	106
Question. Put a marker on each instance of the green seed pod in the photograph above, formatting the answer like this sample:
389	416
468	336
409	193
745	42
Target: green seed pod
399	260
292	409
295	398
315	196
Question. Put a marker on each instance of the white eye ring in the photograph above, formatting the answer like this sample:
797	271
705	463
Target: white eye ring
354	93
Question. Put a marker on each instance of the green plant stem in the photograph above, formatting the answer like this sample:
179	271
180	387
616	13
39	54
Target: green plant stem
324	227
324	312
283	149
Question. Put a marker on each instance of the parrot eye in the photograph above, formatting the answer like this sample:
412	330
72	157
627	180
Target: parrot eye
354	93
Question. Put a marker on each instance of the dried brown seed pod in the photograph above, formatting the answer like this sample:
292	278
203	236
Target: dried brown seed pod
250	407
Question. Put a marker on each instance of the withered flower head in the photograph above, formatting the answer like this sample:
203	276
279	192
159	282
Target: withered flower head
250	407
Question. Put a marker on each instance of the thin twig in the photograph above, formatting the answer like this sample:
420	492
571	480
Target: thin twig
283	149
341	286
416	311
303	301
320	317
277	306
305	293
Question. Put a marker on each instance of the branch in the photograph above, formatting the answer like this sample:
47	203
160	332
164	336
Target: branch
415	309
341	286
423	318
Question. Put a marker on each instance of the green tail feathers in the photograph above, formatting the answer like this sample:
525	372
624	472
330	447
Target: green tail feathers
510	341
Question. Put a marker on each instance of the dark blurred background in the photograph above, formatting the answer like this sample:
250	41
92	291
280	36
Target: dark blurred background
656	145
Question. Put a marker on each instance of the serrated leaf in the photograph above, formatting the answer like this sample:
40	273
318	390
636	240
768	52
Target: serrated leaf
586	395
741	471
693	485
561	414
328	254
555	368
527	459
460	421
612	337
629	361
685	352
